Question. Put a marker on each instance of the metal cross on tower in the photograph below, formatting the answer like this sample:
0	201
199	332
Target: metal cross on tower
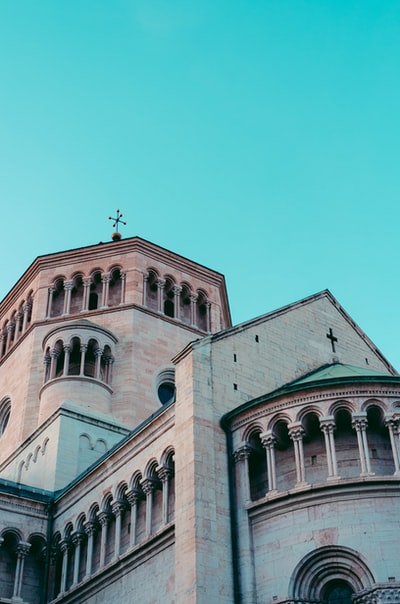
117	235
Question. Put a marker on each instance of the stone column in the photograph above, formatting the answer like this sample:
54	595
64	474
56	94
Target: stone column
108	370
134	496
2	345
105	279
90	529
268	441
18	318
117	509
244	541
64	545
148	485
68	287
10	331
50	292
241	459
26	310
98	354
193	300
359	423
392	424
296	432
208	315
77	539
82	366
145	282
123	287
327	425
177	295
22	551
54	354
86	293
47	365
103	519
67	352
160	294
164	473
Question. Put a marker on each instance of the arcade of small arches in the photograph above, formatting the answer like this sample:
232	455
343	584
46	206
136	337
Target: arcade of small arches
22	563
14	327
78	357
288	452
83	293
179	302
129	514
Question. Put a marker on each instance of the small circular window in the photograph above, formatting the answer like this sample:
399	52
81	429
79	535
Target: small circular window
5	410
165	386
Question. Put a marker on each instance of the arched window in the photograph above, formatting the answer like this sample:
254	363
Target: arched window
5	411
115	288
202	311
95	290
151	285
346	445
185	303
168	293
76	295
257	468
90	358
284	457
381	456
57	303
314	449
74	367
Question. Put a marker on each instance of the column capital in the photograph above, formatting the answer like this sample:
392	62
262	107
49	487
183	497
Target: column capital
118	506
104	518
149	485
65	544
268	439
68	285
90	527
134	496
164	473
296	431
105	277
77	537
359	420
242	452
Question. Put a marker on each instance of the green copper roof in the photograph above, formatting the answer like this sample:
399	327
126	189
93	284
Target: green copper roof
336	371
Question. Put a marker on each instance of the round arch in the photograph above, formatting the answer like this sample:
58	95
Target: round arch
327	564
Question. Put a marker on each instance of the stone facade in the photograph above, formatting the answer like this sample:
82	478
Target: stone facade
152	452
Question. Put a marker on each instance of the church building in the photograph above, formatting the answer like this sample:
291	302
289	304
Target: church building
152	452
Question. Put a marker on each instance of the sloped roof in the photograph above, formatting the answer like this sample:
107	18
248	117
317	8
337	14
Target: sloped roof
337	371
328	375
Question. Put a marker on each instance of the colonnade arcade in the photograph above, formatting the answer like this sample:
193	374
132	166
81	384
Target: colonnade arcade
314	448
177	301
128	515
14	327
125	518
22	564
77	357
83	293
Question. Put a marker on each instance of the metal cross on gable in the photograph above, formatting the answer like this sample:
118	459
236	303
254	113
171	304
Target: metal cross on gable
332	338
117	220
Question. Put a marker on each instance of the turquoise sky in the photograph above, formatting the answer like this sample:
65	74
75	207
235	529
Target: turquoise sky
260	138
